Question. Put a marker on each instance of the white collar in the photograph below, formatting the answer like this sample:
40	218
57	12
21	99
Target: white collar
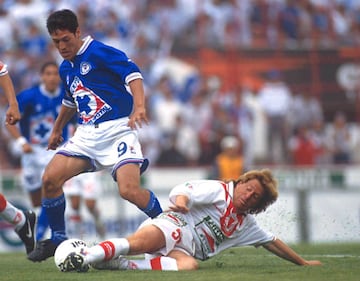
87	40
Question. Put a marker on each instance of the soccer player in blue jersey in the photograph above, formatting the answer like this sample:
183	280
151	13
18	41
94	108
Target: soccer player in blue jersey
39	107
104	87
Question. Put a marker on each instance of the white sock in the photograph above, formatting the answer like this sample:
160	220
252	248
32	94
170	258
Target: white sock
74	223
11	214
158	263
107	250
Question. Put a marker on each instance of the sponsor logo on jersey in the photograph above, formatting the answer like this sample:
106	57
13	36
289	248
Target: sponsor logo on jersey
209	234
174	218
91	107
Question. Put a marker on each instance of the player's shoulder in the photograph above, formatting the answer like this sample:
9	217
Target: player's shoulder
102	49
205	183
31	91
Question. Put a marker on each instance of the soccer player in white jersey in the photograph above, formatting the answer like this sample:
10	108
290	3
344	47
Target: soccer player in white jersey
83	189
23	222
104	87
205	218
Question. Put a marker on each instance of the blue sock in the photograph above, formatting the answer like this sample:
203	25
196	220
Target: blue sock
42	224
55	211
153	208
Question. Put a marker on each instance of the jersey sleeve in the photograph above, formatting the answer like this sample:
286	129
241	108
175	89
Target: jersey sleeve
68	100
199	192
254	235
120	64
3	69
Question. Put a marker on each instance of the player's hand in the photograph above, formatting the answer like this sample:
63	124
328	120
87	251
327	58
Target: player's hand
138	118
54	141
312	262
181	204
27	148
12	115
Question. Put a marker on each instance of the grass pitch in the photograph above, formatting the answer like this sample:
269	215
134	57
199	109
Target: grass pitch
340	262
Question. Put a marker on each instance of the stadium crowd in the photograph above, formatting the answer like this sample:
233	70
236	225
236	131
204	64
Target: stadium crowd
194	110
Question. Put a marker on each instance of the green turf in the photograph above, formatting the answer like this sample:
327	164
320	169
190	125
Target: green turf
340	262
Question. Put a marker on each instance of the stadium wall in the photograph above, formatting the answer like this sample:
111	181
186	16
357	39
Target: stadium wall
315	205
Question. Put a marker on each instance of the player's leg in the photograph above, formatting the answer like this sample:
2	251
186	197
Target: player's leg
128	180
42	223
90	192
128	164
24	222
32	168
183	261
74	219
175	261
73	189
148	239
95	213
59	170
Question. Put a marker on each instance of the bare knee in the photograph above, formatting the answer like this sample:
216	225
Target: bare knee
187	264
184	261
51	187
128	191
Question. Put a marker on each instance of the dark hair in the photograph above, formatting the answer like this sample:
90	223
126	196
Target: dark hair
62	20
46	65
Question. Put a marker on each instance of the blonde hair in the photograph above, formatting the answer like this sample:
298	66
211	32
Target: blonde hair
268	183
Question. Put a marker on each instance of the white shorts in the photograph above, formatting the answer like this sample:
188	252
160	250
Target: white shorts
107	145
86	185
33	166
177	233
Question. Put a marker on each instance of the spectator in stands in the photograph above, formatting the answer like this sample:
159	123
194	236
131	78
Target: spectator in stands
229	163
243	116
257	140
166	109
304	109
170	154
341	139
289	22
341	22
199	109
321	26
301	147
275	99
187	141
319	137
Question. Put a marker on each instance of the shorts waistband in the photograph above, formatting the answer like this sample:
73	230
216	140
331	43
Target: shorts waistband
106	123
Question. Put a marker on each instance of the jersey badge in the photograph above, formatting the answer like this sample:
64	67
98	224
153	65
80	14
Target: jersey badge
85	67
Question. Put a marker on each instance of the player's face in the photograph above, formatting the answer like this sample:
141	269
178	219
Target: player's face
247	195
67	43
50	77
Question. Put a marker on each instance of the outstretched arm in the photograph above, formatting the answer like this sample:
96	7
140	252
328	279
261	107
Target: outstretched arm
138	117
12	114
55	139
282	250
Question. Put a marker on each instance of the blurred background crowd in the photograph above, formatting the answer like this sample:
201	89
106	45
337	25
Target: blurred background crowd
190	113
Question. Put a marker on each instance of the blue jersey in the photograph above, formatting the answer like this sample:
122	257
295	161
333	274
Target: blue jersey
39	109
97	82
